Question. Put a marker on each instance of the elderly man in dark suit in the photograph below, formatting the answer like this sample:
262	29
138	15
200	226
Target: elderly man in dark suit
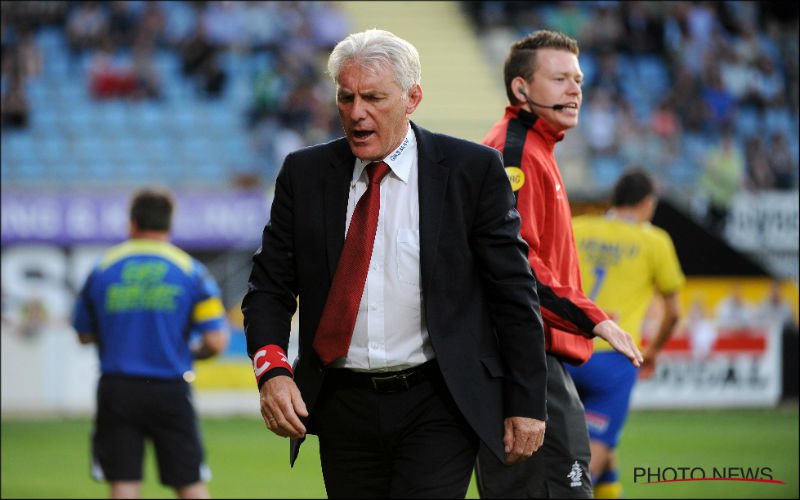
420	328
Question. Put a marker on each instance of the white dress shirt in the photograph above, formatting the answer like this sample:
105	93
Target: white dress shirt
390	332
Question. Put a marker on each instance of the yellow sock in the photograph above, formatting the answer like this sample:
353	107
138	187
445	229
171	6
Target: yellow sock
608	490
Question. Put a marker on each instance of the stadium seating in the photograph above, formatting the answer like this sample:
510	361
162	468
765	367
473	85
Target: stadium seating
187	139
74	140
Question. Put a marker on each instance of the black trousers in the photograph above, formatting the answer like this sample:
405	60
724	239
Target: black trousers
385	442
560	468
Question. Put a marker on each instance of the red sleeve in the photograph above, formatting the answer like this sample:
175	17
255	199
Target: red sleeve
563	306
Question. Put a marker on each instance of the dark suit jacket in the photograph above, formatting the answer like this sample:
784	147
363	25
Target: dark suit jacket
479	294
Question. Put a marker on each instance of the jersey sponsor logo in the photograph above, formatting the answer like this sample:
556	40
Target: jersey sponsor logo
142	288
605	253
516	177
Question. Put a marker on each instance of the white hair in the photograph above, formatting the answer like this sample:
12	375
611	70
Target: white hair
375	47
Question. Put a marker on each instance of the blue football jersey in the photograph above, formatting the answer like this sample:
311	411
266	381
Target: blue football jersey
142	301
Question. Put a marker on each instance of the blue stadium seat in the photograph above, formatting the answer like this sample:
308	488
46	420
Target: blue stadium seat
166	64
114	116
183	116
779	119
20	146
694	150
28	169
652	73
67	171
53	148
90	147
605	170
46	119
682	171
144	115
158	148
101	170
748	121
588	64
5	169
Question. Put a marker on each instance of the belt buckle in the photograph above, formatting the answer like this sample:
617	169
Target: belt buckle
387	384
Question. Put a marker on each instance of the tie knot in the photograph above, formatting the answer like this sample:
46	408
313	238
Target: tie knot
377	171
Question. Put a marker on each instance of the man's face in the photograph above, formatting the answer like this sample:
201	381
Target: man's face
373	112
557	80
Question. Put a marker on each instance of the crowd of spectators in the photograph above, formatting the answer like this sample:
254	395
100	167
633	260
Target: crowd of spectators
723	106
112	46
722	116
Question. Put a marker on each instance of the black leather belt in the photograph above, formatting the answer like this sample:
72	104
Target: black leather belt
383	382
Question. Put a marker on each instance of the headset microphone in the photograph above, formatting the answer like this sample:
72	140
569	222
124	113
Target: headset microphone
555	107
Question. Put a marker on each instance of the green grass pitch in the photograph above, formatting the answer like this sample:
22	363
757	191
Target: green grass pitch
49	458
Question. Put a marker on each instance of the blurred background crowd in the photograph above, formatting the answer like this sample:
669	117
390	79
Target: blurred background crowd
705	94
187	93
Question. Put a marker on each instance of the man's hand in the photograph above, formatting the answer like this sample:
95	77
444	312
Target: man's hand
523	436
620	340
282	406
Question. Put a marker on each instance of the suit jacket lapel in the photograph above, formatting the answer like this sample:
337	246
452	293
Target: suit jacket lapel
336	191
432	187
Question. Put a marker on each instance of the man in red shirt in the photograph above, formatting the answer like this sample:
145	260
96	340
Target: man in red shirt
543	83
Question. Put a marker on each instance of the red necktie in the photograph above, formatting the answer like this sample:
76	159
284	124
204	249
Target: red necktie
341	308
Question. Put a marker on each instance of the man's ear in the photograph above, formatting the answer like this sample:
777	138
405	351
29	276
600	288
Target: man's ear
519	89
414	98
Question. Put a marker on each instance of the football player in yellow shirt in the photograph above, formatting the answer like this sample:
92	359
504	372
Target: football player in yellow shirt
625	261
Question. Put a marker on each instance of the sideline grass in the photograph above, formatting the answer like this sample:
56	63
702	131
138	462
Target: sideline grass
49	458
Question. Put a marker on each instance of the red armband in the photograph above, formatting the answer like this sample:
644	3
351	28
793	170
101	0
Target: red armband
267	358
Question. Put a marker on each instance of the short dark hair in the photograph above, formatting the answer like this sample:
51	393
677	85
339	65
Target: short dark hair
632	187
151	209
521	60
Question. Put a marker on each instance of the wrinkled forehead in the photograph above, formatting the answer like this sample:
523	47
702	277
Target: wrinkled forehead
365	67
357	77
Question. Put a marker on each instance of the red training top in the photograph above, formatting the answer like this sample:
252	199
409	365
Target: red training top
527	144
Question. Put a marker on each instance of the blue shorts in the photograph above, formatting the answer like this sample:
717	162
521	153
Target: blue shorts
605	383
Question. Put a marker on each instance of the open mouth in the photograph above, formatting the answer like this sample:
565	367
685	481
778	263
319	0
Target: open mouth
362	134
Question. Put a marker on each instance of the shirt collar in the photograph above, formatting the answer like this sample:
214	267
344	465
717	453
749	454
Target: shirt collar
400	160
533	121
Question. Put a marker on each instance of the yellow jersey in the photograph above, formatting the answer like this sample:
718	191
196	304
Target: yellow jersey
623	264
